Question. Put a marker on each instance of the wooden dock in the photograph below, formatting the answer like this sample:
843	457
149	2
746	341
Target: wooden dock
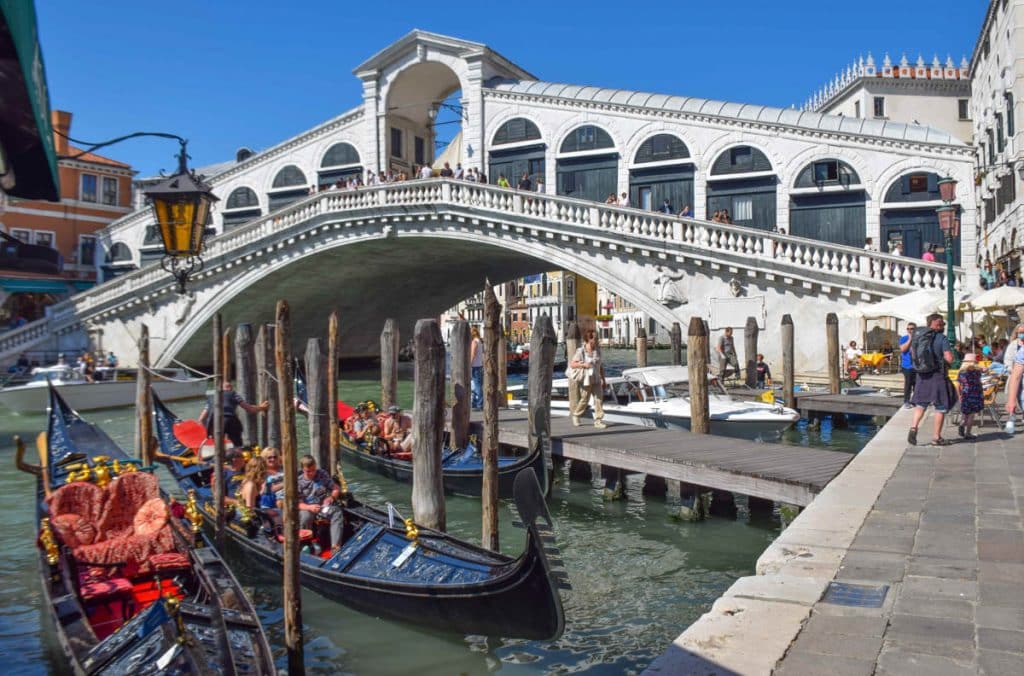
823	403
790	474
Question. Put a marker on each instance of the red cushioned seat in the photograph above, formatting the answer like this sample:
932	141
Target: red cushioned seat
78	497
304	535
74	529
170	561
99	590
127	494
404	455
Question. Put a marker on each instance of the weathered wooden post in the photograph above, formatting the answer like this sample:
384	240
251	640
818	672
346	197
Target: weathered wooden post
572	343
270	435
788	380
292	600
493	340
389	364
225	354
677	344
461	375
245	374
428	506
697	350
750	332
641	347
334	439
538	410
707	332
144	402
316	390
218	428
832	338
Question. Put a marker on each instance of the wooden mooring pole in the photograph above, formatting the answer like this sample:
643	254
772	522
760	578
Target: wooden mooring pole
572	343
641	347
677	344
334	440
538	410
428	507
270	433
225	354
245	374
461	375
316	390
750	332
832	338
697	351
788	379
144	402
218	428
493	346
289	456
389	364
502	363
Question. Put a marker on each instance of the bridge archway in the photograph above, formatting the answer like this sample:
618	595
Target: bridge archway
242	206
588	164
828	203
743	181
662	170
423	106
517	148
908	215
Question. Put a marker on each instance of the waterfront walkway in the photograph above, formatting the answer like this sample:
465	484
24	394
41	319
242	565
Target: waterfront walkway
910	562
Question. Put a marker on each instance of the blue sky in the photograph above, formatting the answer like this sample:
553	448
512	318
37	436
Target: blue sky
231	74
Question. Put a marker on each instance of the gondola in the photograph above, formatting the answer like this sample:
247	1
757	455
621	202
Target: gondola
462	471
128	586
399	571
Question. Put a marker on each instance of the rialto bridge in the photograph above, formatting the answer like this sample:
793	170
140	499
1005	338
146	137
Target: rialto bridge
804	190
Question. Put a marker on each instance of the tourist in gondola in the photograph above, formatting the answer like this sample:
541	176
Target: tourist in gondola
588	358
273	488
396	430
253	482
232	424
317	493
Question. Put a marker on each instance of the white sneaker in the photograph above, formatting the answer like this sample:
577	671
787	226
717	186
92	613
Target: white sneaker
576	420
599	425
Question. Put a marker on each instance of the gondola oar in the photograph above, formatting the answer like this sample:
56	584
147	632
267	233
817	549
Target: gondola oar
190	433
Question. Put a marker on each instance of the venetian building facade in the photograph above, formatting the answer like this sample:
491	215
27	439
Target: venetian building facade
824	177
997	92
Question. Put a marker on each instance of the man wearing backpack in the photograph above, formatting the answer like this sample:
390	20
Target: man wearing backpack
931	355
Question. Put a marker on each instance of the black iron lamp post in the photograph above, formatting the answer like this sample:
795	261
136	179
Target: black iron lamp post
181	206
949	223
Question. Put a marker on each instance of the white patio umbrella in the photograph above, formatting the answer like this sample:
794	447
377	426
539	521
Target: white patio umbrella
999	298
910	307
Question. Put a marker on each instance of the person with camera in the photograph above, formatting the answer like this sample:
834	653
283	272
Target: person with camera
317	495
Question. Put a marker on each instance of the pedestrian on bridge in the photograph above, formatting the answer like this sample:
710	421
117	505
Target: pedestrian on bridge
726	349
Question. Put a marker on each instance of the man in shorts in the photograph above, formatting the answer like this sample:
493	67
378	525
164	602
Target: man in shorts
933	389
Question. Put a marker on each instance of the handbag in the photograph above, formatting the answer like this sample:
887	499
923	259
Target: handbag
574	374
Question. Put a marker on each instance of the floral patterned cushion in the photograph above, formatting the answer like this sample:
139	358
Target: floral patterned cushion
74	529
150	518
127	494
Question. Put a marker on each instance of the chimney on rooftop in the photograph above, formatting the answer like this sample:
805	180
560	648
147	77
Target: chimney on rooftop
61	121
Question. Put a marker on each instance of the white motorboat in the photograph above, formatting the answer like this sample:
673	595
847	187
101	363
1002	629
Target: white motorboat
655	396
112	387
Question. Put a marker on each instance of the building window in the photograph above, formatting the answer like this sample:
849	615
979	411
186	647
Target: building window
396	143
515	131
21	235
743	209
741	157
879	106
991	147
827	171
964	108
1000	136
43	238
856	109
86	250
88	188
918	183
420	150
110	191
1010	126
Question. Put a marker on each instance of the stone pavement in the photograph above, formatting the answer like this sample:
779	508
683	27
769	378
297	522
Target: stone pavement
945	535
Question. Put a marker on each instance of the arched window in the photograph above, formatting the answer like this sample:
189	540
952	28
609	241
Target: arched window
922	186
242	198
288	177
119	253
587	137
340	154
516	130
740	160
828	172
660	148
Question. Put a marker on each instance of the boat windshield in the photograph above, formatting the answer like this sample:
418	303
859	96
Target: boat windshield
63	374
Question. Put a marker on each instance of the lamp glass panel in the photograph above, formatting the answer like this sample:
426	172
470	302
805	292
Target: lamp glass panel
946	218
947	190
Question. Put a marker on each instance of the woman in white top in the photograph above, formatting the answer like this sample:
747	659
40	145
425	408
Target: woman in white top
588	357
476	363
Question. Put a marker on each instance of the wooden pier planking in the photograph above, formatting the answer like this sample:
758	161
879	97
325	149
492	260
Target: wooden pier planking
790	474
824	403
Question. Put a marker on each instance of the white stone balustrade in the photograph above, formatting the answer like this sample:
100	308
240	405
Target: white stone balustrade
756	249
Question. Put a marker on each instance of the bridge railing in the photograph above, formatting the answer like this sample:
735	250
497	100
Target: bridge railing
782	251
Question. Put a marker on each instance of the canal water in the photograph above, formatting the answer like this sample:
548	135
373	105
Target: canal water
639	576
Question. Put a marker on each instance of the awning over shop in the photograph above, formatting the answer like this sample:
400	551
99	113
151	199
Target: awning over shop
26	137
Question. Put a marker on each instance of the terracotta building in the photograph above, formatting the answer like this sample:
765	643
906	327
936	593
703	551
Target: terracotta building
94	191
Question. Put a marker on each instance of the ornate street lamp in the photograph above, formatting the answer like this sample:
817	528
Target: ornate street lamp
181	206
949	223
